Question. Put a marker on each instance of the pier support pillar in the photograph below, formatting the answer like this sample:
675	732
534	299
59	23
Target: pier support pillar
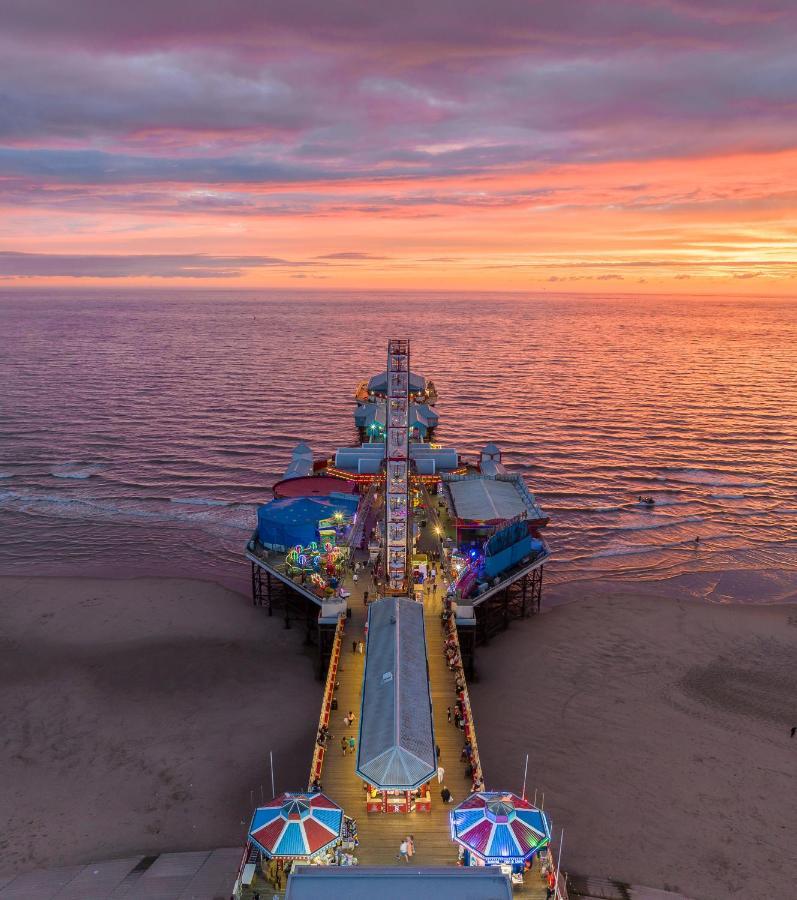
467	649
257	587
326	641
310	616
536	589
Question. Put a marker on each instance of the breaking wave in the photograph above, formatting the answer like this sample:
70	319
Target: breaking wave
74	470
708	478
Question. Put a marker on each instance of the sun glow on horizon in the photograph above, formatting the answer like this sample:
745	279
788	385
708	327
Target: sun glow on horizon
275	154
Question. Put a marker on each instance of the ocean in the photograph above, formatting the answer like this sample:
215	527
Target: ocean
139	430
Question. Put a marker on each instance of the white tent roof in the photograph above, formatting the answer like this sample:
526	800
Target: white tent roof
483	499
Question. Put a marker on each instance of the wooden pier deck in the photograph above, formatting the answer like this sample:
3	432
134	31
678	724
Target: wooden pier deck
380	834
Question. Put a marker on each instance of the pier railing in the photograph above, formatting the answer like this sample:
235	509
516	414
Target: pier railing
326	704
464	697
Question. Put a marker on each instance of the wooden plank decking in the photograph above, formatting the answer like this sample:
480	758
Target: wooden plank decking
380	833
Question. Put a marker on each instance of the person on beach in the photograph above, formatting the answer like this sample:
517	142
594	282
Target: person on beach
343	745
440	774
403	851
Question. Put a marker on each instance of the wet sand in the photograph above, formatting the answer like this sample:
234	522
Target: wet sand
137	716
658	729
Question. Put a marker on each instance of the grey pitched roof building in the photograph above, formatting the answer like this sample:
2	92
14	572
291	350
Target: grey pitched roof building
396	749
394	883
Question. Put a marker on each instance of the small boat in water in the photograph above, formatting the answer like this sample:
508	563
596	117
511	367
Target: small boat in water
646	501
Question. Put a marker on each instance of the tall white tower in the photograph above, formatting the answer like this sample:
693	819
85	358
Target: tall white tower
397	462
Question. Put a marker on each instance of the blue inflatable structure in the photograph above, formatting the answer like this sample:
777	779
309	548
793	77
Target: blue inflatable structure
292	521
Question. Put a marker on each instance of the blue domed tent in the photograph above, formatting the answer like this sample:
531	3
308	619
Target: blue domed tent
289	521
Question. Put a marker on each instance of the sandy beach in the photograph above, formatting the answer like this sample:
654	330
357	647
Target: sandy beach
137	716
658	729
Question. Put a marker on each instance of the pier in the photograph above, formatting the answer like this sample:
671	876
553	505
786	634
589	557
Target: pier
476	527
381	833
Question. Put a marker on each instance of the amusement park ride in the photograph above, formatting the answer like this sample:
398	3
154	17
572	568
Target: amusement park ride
397	464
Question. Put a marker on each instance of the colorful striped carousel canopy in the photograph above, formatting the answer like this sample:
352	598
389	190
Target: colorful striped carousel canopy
499	827
296	825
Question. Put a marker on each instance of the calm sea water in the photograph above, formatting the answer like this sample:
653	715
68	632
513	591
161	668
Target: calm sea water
138	431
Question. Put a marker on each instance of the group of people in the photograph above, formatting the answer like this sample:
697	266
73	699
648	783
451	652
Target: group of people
347	744
323	736
459	716
407	848
452	655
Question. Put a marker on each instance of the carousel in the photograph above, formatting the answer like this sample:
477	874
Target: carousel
499	829
307	828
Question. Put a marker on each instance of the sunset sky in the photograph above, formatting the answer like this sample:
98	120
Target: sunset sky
645	146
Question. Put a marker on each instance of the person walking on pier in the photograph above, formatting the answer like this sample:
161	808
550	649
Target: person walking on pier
354	646
343	745
410	845
445	795
351	744
403	851
361	647
440	774
365	598
448	713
